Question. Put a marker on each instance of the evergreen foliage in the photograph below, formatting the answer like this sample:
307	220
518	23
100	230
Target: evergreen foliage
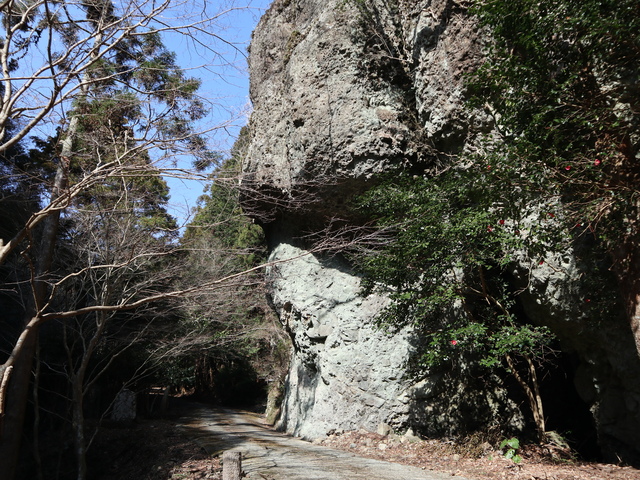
562	82
447	270
219	217
236	345
559	174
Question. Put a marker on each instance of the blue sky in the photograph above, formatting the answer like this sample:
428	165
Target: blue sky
225	83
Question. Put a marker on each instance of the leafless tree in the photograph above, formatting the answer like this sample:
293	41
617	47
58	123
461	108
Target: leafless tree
58	61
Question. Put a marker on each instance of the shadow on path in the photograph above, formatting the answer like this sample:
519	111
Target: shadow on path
271	455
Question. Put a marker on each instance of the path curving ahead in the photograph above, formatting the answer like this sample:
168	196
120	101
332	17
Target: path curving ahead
271	455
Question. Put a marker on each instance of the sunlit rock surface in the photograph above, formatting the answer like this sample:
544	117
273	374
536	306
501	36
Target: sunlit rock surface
340	96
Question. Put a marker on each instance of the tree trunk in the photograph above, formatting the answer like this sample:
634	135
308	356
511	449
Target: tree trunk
36	419
79	428
231	465
15	403
532	391
20	362
77	380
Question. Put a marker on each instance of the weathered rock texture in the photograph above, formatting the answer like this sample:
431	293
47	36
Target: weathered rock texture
344	372
344	90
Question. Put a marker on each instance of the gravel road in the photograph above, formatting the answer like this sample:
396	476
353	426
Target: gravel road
271	455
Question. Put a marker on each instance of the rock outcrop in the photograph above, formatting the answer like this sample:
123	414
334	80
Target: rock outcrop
344	373
343	91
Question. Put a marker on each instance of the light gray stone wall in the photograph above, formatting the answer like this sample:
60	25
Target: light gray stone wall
345	373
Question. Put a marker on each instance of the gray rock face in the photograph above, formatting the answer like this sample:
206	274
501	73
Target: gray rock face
607	376
344	373
344	91
124	408
341	96
347	374
319	118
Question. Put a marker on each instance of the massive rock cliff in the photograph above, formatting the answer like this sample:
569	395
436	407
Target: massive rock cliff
344	90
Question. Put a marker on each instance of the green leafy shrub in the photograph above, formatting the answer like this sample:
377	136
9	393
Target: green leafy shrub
448	273
512	446
559	174
561	80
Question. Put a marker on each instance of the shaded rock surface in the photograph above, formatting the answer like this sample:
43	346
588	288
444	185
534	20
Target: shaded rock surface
344	91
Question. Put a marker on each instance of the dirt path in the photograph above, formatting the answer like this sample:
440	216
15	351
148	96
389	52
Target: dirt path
270	455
